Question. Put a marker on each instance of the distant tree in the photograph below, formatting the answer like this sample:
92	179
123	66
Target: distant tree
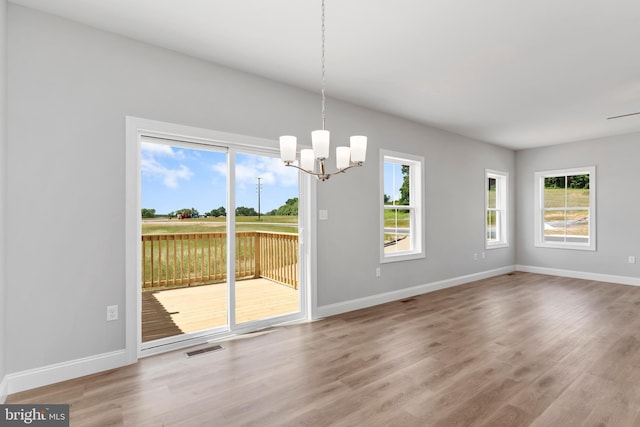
221	211
554	182
571	181
148	213
387	198
290	207
244	211
404	189
579	181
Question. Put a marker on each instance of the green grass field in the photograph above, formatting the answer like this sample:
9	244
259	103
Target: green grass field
570	198
218	225
276	224
575	197
393	218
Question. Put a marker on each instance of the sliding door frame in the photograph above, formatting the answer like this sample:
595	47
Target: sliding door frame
136	128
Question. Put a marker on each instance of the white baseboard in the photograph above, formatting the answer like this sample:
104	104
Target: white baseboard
623	280
356	304
4	389
50	374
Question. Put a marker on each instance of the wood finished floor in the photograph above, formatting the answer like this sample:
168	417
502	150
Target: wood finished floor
514	350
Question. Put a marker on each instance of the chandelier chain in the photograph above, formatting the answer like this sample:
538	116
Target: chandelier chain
323	70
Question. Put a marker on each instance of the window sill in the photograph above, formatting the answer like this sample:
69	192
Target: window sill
406	256
578	247
496	246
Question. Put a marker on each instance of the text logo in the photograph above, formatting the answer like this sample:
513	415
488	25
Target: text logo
34	415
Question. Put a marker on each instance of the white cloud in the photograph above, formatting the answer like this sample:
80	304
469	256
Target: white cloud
282	175
153	168
270	169
152	150
220	168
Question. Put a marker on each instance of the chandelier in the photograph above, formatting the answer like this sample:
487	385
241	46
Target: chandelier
346	157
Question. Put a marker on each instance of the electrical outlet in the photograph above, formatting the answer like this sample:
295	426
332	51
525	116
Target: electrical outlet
482	255
475	257
112	312
632	259
378	273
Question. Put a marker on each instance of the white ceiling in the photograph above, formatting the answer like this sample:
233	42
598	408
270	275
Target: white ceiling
520	74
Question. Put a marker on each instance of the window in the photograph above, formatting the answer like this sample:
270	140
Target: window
496	209
402	232
565	208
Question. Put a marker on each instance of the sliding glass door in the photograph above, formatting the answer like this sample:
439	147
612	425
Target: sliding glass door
219	240
266	196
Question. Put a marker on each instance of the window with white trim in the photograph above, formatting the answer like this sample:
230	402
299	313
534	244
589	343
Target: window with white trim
566	208
496	209
402	231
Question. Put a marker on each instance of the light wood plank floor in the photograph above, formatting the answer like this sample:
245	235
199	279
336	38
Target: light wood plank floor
172	312
514	350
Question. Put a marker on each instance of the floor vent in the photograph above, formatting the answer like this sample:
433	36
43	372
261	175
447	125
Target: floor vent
204	350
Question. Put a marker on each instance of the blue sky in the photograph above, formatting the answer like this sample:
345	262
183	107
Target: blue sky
175	178
392	179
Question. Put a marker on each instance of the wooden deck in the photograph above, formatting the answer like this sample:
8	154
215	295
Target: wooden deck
172	312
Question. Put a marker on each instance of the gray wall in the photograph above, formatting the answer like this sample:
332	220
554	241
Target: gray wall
454	205
70	88
3	171
617	204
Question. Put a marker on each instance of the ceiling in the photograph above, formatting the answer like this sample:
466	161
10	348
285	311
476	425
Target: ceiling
519	74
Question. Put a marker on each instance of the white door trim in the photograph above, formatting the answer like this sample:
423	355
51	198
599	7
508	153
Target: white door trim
135	127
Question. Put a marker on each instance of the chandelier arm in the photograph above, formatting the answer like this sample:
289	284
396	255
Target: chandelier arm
324	176
352	165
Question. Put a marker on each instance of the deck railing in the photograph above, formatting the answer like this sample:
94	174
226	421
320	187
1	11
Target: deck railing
185	259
